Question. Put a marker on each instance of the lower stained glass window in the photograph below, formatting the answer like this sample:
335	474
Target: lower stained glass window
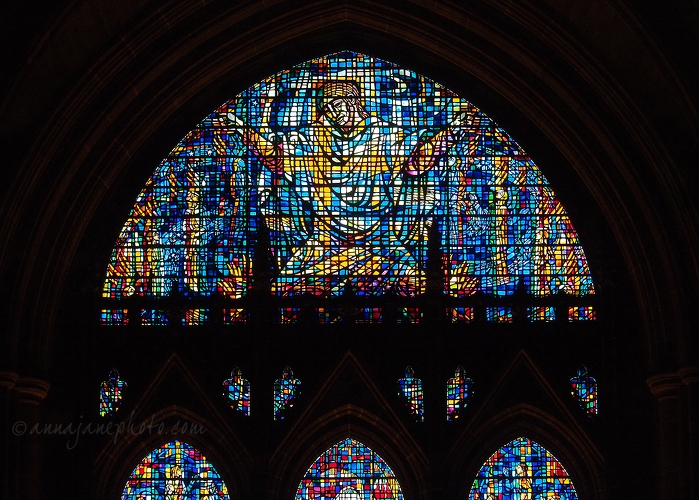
349	470
175	471
522	469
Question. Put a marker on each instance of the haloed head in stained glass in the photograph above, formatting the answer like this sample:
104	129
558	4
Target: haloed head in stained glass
349	165
173	471
522	469
349	471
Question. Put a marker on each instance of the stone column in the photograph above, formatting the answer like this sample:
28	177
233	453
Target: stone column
7	383
670	480
28	449
690	380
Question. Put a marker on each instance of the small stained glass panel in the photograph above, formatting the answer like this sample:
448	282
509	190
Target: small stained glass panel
541	313
237	391
499	314
369	315
111	394
234	316
584	389
349	471
327	315
582	313
410	388
460	314
289	315
409	315
153	317
114	317
195	317
286	390
459	391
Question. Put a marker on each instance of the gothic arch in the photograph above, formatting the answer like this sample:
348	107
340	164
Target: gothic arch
132	129
576	452
396	448
125	450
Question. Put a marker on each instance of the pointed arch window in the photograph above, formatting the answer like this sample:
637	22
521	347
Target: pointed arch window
349	471
237	391
410	388
339	174
459	390
286	390
111	394
175	470
522	469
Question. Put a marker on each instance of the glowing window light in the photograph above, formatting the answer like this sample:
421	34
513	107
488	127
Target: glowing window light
111	394
286	390
409	156
237	391
584	389
459	390
349	470
176	470
522	469
410	388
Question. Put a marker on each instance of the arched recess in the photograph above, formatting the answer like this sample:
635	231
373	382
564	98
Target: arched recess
175	469
126	124
302	446
137	438
568	443
349	469
523	468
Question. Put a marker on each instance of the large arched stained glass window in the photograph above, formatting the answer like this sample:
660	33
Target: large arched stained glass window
175	471
522	469
349	470
337	175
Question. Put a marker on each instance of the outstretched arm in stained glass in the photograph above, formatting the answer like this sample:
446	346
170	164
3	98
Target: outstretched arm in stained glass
433	145
269	151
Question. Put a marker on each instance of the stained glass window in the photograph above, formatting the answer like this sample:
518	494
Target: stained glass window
349	470
460	314
584	389
459	390
286	389
115	317
153	317
522	469
410	388
237	391
111	393
175	471
348	164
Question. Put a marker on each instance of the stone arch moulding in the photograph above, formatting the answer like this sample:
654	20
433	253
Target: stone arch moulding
401	453
51	285
571	447
326	421
221	448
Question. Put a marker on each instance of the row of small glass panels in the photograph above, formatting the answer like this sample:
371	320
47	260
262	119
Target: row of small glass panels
287	389
321	315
